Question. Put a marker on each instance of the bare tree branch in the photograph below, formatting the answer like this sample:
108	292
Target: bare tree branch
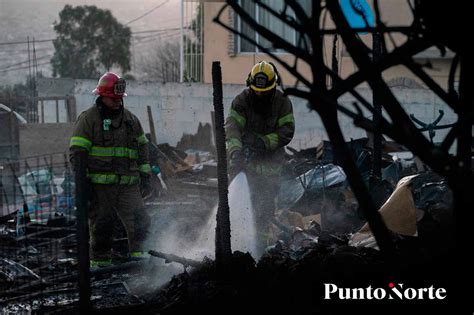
318	68
283	16
452	74
388	61
268	34
325	102
417	70
449	139
411	137
405	30
289	68
299	12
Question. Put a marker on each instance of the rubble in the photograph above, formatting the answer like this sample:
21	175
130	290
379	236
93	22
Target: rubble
421	205
173	258
307	254
311	182
288	278
313	242
398	214
13	272
293	269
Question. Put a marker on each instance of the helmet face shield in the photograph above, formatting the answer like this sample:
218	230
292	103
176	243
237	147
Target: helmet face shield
262	77
261	80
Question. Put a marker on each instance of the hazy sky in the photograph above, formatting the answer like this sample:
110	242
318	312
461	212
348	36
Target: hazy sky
35	18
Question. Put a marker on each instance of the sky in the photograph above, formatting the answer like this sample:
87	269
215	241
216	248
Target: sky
35	18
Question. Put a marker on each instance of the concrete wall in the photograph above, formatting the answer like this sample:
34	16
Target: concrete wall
179	108
8	135
44	139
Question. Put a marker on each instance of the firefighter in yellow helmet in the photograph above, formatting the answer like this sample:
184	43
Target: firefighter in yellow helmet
259	125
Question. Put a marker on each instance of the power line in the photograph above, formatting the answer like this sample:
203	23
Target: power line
15	54
52	39
26	61
168	36
157	30
26	42
24	67
170	19
142	16
138	39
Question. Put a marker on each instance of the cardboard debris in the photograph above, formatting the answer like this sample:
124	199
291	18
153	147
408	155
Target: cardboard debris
291	218
171	160
192	159
398	213
307	220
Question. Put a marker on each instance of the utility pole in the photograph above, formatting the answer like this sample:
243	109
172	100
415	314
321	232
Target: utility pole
34	103
28	109
181	45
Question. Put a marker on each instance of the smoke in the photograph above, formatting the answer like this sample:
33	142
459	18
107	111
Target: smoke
194	238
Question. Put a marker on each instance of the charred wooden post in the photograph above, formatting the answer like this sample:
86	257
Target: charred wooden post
151	124
174	258
223	248
80	162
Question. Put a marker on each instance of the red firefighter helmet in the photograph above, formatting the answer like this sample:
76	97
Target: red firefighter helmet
110	85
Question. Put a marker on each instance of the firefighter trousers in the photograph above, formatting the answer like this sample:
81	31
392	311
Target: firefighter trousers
263	191
108	203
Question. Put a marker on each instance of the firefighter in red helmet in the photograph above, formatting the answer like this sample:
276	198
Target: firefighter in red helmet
111	85
117	166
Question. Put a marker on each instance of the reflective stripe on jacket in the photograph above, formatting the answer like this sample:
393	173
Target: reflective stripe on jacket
275	125
117	146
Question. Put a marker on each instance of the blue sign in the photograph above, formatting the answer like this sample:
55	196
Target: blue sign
358	13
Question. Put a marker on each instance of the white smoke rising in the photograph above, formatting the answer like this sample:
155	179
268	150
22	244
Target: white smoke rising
242	224
173	239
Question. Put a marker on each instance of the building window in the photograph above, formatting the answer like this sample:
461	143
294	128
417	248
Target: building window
266	19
